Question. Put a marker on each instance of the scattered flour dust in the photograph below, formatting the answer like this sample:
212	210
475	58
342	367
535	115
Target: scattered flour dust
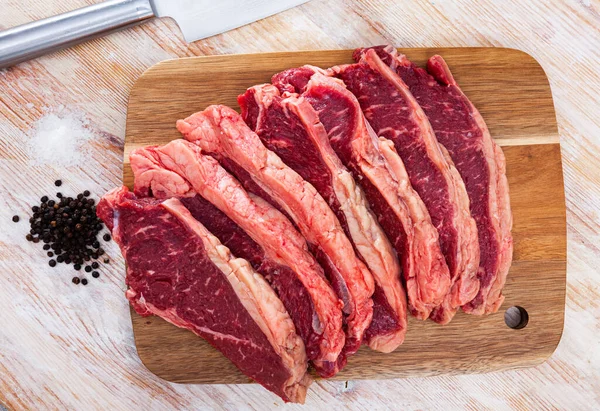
59	138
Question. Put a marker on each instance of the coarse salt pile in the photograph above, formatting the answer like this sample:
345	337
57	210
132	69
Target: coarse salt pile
59	138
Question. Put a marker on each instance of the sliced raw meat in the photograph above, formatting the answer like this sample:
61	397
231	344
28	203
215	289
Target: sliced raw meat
253	230
398	208
177	270
290	127
221	131
461	129
394	114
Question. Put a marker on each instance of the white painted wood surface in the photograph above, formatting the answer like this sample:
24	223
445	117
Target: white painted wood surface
67	347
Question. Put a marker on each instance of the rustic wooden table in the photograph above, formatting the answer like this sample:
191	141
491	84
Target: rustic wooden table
68	347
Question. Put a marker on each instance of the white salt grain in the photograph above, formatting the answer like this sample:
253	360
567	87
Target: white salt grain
60	139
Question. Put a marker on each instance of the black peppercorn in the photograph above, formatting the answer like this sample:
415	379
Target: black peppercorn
76	280
95	274
84	281
58	183
69	228
106	261
16	219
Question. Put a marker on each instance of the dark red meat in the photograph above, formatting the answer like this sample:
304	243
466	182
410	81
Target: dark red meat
395	115
291	127
282	278
461	129
222	131
175	272
252	230
357	148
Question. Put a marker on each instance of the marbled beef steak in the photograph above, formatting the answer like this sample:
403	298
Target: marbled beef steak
357	147
222	132
252	229
178	270
395	115
458	125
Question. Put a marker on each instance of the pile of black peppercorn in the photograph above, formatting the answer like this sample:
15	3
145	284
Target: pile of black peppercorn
68	227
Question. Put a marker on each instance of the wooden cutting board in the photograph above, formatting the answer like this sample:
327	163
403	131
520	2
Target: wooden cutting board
512	92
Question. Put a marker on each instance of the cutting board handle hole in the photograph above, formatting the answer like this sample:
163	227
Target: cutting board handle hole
516	317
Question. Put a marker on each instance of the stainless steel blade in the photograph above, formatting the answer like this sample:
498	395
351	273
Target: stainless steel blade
199	19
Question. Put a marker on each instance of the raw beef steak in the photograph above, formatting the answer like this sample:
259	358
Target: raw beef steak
394	114
398	208
178	270
461	129
253	230
290	127
221	131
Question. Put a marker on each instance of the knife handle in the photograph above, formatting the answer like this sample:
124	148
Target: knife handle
35	39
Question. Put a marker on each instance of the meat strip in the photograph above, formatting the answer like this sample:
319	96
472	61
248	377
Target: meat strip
253	230
394	114
221	131
459	126
177	270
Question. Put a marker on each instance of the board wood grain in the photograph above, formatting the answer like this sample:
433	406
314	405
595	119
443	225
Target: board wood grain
512	93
